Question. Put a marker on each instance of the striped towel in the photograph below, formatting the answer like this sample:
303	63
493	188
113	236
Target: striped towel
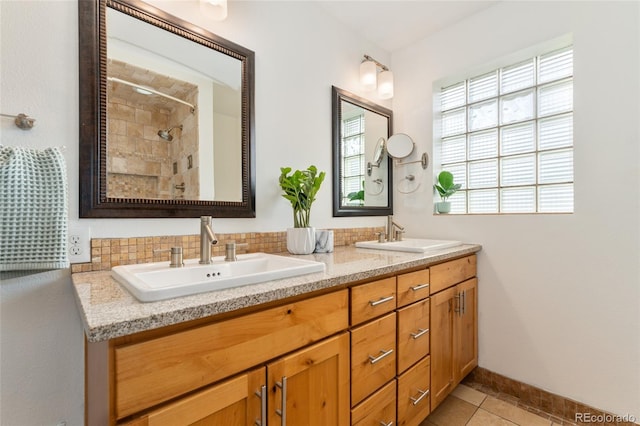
33	209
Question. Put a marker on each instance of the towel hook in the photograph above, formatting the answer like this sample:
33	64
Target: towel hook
22	121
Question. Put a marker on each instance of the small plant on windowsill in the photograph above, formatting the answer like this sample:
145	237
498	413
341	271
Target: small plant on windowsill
446	188
300	188
357	196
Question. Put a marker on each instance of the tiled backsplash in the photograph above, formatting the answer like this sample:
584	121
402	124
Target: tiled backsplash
109	252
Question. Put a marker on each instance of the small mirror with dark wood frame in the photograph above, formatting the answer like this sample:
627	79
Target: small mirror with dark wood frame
362	170
190	156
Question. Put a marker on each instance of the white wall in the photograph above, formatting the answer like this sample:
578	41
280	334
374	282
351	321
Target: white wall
300	54
559	294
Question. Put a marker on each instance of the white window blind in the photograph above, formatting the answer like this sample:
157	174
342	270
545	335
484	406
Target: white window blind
352	167
507	137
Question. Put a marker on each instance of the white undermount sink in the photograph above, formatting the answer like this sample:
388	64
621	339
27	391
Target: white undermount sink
150	282
414	245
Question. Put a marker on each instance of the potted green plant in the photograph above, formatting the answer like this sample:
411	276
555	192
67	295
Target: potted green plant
357	196
446	188
300	188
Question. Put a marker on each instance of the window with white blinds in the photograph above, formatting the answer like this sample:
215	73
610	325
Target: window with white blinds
352	173
507	137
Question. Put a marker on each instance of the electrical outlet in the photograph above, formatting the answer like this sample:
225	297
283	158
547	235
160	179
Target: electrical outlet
79	243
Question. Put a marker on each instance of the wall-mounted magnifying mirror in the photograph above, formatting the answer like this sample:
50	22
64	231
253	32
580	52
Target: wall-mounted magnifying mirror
400	146
362	180
378	155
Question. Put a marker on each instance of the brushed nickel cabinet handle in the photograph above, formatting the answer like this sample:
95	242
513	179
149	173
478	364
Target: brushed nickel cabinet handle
421	332
382	423
381	301
464	302
423	394
458	308
283	411
262	394
419	287
383	354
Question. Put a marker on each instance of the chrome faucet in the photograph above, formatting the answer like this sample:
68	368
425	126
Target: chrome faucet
207	238
392	233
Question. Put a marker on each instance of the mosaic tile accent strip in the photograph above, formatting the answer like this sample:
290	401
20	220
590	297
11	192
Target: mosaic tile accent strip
560	410
109	252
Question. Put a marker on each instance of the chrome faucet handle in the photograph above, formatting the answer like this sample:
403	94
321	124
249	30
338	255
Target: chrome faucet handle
381	237
176	256
399	233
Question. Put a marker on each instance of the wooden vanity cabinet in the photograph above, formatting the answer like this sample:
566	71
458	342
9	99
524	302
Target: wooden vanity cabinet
156	369
378	353
308	387
454	325
390	350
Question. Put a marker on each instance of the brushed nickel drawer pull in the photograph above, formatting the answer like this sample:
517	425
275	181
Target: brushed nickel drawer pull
420	287
421	332
386	424
381	301
283	411
464	302
262	394
416	401
383	353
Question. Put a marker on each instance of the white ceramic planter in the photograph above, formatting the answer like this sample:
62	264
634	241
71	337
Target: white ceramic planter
443	206
301	240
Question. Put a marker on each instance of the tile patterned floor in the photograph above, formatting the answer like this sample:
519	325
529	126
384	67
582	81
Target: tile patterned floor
469	407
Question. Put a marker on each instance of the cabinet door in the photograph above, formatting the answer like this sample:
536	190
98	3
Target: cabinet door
443	306
240	401
311	386
466	329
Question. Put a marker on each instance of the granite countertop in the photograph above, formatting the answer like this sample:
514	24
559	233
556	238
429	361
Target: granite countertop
109	311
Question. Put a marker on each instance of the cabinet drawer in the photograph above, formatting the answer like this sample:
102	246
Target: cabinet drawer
373	356
412	287
413	334
453	272
235	402
414	399
378	409
372	300
154	371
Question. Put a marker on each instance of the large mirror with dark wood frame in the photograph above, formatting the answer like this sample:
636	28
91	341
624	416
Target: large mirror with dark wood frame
166	116
362	172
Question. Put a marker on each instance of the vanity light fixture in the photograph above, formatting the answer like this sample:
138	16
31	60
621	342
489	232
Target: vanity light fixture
369	78
214	9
